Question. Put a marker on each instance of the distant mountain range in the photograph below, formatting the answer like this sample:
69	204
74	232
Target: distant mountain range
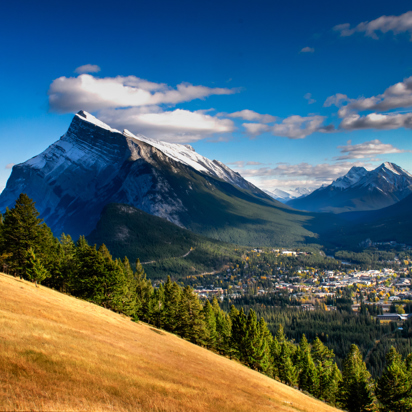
284	196
359	190
93	165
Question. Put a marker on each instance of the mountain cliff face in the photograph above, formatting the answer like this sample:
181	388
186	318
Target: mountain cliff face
359	190
93	165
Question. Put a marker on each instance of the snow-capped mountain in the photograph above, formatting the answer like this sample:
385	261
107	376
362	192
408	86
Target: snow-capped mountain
351	178
359	190
93	165
286	195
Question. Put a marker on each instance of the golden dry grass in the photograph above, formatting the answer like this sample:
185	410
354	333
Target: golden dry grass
61	353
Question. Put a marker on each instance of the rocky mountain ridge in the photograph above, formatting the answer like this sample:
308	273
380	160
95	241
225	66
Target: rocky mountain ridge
359	190
93	165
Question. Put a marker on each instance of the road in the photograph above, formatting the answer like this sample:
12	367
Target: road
175	257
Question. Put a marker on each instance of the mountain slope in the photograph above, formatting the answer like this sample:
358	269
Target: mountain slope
93	165
61	353
383	225
359	190
166	248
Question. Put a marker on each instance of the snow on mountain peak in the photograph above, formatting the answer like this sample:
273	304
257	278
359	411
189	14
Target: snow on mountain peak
352	177
395	169
85	116
184	154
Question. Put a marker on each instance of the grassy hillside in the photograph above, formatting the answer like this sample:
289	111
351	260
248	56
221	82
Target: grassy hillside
130	232
60	353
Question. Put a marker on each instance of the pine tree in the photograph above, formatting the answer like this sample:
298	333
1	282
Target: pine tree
191	324
323	359
35	271
238	337
149	306
394	388
22	229
307	372
275	349
223	329
253	347
210	319
171	305
266	338
287	371
336	379
356	388
153	312
66	265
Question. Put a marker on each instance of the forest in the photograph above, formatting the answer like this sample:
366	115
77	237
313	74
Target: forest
29	250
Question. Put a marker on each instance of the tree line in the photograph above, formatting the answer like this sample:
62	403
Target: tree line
28	249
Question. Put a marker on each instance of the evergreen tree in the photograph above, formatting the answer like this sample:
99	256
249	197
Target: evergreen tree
223	329
35	271
394	388
266	338
149	305
191	324
66	266
336	379
356	388
154	309
275	349
171	304
306	369
21	230
287	371
323	359
253	347
209	316
238	337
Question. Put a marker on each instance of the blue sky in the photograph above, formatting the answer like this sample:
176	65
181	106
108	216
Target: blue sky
287	93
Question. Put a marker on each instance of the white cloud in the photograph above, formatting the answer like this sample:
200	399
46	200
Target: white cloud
293	127
308	97
87	68
367	149
307	50
297	127
383	24
303	174
377	121
90	93
285	184
336	100
397	96
180	126
255	129
319	172
9	166
241	164
253	116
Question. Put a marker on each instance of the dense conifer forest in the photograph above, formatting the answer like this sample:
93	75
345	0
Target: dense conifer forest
28	249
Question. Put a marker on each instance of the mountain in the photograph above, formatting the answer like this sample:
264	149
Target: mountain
285	195
60	353
359	190
163	247
93	165
393	223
